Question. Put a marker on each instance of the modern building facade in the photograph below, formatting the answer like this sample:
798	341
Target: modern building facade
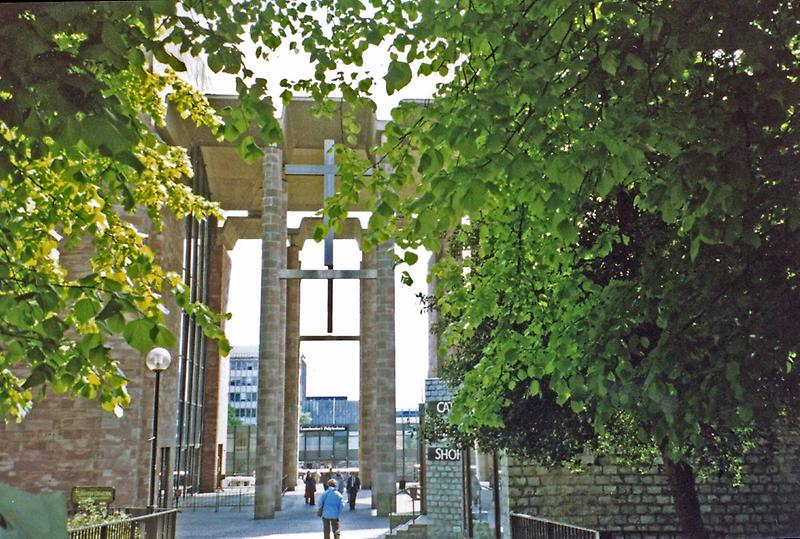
243	388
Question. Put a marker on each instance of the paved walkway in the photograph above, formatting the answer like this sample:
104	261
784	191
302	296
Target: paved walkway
295	521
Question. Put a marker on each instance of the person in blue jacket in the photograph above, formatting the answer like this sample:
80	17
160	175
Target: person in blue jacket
331	504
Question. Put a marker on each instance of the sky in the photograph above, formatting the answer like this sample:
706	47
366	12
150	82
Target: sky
332	366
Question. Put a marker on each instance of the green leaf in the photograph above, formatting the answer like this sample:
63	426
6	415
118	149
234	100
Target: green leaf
609	63
116	323
567	231
85	309
474	197
398	76
112	307
164	337
215	63
138	333
249	150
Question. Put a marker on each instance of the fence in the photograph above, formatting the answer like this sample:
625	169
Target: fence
654	534
527	527
159	525
240	451
229	499
641	535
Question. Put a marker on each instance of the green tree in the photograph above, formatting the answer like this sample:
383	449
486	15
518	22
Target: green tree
233	421
79	101
77	156
629	170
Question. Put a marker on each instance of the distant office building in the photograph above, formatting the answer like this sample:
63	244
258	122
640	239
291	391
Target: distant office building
327	438
330	437
243	388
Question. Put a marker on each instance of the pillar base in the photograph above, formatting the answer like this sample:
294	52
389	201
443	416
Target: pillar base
384	504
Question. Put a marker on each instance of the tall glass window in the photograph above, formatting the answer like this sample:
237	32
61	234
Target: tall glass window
192	359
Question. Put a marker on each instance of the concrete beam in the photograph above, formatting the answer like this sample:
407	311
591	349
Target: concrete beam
327	274
330	337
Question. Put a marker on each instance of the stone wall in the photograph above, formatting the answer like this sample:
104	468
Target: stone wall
443	480
609	497
69	441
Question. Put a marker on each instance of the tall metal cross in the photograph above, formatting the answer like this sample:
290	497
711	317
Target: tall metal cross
328	172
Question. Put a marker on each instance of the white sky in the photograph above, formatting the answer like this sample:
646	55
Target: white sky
332	366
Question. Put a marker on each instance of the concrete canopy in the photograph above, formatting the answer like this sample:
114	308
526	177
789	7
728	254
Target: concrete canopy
236	185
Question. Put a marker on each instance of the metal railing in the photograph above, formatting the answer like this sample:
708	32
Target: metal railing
528	527
159	525
640	535
229	498
654	534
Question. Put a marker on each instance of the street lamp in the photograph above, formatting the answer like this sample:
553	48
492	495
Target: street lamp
156	360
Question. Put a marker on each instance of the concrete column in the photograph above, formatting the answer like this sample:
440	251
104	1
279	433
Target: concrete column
281	382
383	470
291	414
271	363
366	390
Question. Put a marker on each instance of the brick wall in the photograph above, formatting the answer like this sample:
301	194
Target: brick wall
215	394
609	497
443	481
66	442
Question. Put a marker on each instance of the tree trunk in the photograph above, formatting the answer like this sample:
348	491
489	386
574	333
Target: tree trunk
684	494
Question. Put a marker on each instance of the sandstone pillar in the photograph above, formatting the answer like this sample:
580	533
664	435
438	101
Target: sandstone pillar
366	390
271	363
383	470
433	321
291	414
281	381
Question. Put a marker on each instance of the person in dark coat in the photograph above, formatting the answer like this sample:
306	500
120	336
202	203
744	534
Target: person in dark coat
311	488
353	485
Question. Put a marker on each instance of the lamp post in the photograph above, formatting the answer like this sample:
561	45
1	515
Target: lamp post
156	360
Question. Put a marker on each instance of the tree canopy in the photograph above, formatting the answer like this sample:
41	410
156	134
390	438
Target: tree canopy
77	156
627	173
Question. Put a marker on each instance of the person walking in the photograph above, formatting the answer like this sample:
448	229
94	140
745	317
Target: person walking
329	507
311	487
339	483
353	485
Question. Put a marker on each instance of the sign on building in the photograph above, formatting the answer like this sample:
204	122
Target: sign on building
441	454
98	495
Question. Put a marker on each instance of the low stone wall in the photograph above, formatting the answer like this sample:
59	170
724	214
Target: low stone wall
610	497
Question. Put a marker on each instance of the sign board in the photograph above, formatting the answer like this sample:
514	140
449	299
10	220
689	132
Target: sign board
324	428
440	454
439	407
99	495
